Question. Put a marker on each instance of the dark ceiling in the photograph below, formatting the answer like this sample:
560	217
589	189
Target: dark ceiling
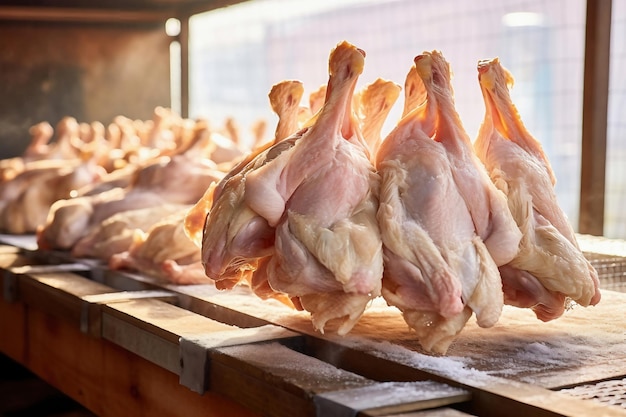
141	10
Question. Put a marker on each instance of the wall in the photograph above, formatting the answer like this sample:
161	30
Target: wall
91	72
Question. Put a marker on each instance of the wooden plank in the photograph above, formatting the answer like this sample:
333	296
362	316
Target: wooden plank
164	320
389	398
280	381
436	412
59	293
152	329
105	378
12	258
82	15
276	380
8	280
595	116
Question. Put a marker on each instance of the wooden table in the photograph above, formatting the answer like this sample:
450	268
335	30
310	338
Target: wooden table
125	344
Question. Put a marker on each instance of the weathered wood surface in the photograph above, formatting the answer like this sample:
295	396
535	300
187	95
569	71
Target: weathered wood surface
107	379
508	366
585	344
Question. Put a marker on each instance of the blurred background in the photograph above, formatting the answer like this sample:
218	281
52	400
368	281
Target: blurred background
208	61
237	53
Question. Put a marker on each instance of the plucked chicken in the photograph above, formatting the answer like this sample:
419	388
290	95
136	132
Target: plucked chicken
235	237
320	197
116	233
549	267
164	251
180	179
26	199
438	211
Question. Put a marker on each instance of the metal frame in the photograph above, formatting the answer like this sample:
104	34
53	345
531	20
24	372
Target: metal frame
595	115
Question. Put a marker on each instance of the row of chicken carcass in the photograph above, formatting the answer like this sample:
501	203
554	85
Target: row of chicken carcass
330	216
98	191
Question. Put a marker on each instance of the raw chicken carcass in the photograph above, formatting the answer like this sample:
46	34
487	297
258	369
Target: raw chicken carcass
438	266
26	199
116	233
40	134
320	196
164	251
549	266
180	179
39	150
235	237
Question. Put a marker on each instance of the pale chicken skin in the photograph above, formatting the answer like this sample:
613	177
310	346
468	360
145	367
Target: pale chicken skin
26	199
116	233
164	251
437	212
235	237
321	198
549	266
180	179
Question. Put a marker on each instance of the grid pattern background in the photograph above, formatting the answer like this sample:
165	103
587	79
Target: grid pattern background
615	201
238	53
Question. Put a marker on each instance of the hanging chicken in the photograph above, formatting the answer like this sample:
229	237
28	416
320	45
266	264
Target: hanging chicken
445	227
549	268
314	198
235	237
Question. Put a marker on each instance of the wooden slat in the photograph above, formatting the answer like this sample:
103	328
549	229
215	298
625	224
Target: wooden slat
59	293
595	116
281	382
12	259
151	329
